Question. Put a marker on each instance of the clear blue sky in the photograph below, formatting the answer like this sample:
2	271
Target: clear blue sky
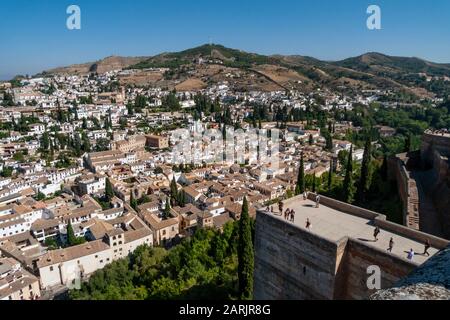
34	36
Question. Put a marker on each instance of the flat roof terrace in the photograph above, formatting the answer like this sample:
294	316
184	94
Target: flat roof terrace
335	220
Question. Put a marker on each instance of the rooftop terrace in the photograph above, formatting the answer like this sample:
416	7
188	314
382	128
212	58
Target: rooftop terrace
335	221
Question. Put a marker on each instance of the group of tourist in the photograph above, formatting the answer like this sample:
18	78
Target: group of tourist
411	252
289	215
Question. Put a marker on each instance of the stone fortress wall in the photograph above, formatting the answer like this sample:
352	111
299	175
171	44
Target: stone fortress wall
435	152
423	180
291	263
294	264
407	190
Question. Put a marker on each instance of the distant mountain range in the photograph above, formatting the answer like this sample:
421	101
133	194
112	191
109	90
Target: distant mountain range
254	71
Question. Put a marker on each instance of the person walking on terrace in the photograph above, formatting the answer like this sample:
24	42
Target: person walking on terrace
280	207
391	245
308	224
317	201
292	215
376	232
427	246
286	214
410	254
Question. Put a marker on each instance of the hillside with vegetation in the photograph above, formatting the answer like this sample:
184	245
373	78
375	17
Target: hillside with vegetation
213	63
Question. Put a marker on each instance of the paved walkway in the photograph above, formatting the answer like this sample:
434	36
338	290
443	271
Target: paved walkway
335	225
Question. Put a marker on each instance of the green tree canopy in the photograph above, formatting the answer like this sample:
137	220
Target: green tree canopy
245	254
348	189
109	192
300	187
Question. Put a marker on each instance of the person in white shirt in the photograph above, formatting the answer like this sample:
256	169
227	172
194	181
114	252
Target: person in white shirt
410	254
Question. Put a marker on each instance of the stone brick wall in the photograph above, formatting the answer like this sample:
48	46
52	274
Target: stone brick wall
290	263
408	192
431	281
358	258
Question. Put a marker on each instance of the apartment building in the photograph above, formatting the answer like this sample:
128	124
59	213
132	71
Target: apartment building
16	283
130	144
15	219
92	184
164	229
70	265
158	142
105	160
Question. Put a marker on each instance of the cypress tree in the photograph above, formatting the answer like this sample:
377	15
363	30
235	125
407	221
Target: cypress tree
86	143
77	146
52	151
384	169
45	141
71	239
174	191
329	142
182	198
167	209
314	182
245	254
109	192
133	201
300	187
348	188
364	177
408	143
330	176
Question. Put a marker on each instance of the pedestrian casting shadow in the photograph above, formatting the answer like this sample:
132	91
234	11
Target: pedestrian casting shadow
366	240
421	254
308	205
277	214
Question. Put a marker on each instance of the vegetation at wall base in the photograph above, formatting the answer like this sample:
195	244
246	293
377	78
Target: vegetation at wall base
204	266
